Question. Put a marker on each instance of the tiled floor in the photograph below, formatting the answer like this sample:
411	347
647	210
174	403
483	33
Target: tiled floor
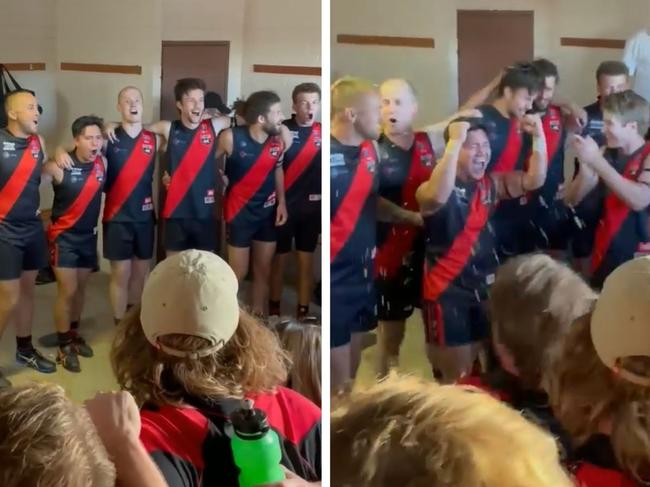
412	357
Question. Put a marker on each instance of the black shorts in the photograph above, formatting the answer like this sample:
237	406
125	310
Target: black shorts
353	310
302	227
74	250
190	233
453	321
23	247
242	234
126	240
397	297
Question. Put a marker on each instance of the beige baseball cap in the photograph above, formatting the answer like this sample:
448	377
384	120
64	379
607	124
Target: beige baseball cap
191	293
620	324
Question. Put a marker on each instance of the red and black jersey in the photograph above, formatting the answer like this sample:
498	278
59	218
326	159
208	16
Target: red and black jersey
302	168
353	212
250	196
459	243
620	230
555	134
21	162
77	198
129	177
193	170
191	445
401	172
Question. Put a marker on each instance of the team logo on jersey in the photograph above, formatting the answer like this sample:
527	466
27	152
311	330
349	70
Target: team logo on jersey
206	139
99	174
270	200
209	198
274	151
555	125
337	160
486	196
147	149
35	148
372	166
148	204
426	160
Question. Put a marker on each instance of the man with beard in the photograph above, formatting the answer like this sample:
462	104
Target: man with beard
255	202
622	178
23	249
457	203
548	223
302	183
355	210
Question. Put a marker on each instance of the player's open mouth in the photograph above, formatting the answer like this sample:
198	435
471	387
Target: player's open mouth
310	116
94	152
392	120
196	113
133	112
35	122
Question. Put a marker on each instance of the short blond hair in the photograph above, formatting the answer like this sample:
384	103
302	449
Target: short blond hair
533	302
408	432
629	107
346	91
302	341
46	440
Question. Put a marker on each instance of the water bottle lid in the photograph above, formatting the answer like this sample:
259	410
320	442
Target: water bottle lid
250	424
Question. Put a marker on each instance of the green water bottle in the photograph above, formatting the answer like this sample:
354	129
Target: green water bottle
255	448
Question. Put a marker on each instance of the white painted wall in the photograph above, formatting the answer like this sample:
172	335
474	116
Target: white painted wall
282	32
434	72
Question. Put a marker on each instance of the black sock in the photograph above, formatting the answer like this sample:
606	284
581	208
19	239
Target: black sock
74	325
24	343
274	307
303	310
64	338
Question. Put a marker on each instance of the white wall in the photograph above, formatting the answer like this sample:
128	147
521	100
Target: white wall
434	72
281	32
209	20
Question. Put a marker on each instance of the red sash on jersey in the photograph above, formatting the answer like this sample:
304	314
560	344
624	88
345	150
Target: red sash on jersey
449	266
243	190
11	191
130	175
304	157
345	220
400	238
615	211
588	475
78	207
507	161
191	164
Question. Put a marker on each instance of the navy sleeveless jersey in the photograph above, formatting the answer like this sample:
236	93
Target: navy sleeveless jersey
129	177
400	172
195	198
353	213
78	197
594	127
304	194
460	253
20	177
555	135
250	169
620	230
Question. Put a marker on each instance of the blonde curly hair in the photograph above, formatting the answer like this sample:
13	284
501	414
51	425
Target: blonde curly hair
410	433
48	441
251	362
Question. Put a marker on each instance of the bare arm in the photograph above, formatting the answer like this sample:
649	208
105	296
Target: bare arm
389	212
635	194
224	144
220	123
287	138
51	173
583	184
161	128
434	193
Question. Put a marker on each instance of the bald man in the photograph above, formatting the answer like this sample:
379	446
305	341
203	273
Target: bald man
129	218
406	159
23	249
355	210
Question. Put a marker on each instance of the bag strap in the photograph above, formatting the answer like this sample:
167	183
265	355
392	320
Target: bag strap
4	72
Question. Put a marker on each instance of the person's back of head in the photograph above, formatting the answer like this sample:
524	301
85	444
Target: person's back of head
408	432
191	338
302	341
533	302
46	440
600	383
